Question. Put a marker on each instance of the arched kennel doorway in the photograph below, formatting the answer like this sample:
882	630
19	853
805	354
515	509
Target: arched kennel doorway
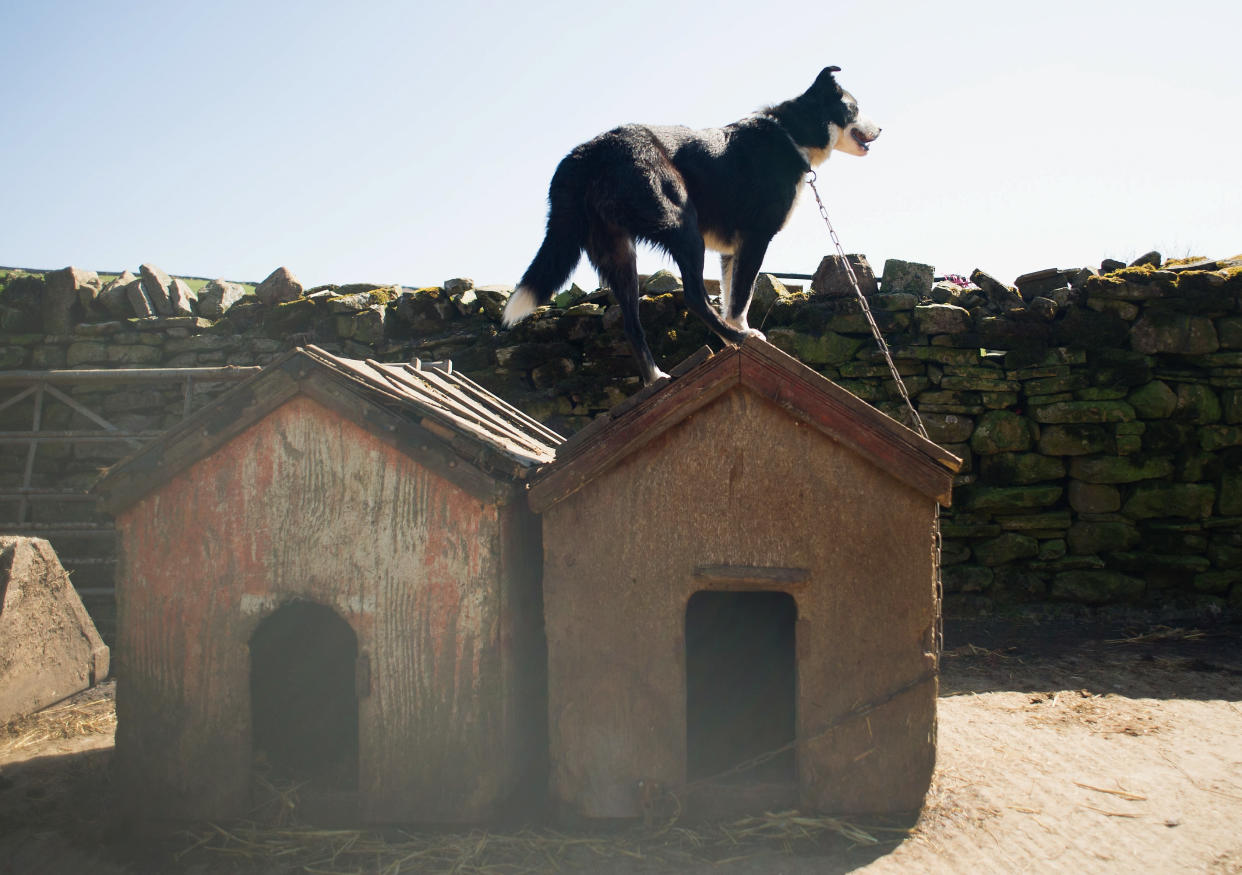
303	701
740	683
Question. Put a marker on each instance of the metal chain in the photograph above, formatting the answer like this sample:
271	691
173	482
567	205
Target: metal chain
937	544
866	308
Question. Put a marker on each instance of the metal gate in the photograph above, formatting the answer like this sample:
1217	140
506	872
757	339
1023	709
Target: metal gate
85	541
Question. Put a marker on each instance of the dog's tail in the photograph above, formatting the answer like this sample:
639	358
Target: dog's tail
561	249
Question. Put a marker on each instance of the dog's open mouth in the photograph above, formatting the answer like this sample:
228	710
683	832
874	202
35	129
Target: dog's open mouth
863	141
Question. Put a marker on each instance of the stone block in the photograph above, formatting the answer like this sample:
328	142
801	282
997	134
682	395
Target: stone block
948	428
1229	498
1217	437
1093	497
1009	498
1019	469
86	352
1229	331
1074	440
907	276
999	431
942	319
1052	385
1179	333
218	297
280	287
1083	412
49	648
114	296
1100	536
1153	500
1041	523
1197	403
1006	548
824	348
1216	582
182	298
1112	469
1096	587
1154	400
1017	585
63	297
832	279
965	578
157	284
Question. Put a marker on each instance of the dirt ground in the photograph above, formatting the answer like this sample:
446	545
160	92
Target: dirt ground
1061	748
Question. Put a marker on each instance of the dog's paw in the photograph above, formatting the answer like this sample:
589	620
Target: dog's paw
755	333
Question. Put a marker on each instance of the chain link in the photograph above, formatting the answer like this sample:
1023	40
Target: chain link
866	308
937	544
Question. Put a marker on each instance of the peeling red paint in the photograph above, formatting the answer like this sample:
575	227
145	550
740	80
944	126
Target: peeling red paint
306	504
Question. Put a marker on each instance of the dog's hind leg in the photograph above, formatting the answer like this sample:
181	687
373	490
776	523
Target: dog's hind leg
615	260
726	283
745	268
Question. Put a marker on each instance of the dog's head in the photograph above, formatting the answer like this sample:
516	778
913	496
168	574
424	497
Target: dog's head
848	130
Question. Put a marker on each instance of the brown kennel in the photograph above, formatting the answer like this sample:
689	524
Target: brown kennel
739	569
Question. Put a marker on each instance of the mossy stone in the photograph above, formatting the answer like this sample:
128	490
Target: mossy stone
1096	587
1093	497
1152	500
1216	437
1229	499
1178	333
1074	440
1154	400
1000	431
1100	536
1005	548
1007	498
1016	585
1083	412
1125	469
965	578
1197	403
1020	469
828	348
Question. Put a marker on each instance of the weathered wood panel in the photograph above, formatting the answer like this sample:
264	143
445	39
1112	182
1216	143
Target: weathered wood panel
306	504
740	483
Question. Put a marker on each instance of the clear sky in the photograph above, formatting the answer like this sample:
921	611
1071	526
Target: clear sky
413	142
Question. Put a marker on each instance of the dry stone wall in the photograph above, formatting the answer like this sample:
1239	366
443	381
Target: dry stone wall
1099	412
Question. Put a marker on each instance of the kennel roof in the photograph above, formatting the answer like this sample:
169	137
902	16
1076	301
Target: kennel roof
450	423
762	368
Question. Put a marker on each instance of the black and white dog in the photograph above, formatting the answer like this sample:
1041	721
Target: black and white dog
729	189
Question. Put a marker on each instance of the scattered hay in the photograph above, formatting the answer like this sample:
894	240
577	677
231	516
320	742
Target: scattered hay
1159	633
71	719
672	847
973	650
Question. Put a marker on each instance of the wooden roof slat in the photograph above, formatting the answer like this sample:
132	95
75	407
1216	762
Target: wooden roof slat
503	407
457	419
467	403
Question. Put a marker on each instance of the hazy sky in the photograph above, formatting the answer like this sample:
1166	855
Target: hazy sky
413	142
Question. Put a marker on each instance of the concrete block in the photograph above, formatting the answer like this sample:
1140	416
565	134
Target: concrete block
49	648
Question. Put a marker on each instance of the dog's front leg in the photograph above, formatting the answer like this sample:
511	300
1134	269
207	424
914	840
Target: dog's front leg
745	263
726	283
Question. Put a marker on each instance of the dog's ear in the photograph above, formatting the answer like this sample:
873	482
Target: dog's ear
825	83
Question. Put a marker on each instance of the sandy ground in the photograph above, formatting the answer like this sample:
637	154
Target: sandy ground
1060	750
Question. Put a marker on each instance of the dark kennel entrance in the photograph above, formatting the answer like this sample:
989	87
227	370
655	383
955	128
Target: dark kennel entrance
740	683
303	702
